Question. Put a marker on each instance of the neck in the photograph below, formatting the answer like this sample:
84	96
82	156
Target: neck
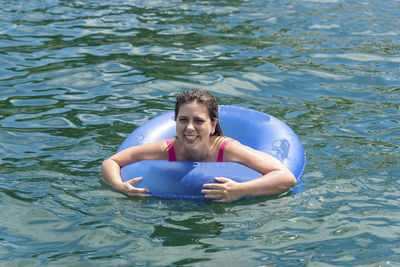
201	154
195	155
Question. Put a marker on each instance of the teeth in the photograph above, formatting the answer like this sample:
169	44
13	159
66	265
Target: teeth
191	137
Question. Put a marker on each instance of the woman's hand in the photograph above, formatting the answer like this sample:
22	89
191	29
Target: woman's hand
225	191
128	188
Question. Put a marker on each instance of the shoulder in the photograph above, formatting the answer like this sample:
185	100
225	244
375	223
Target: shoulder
159	148
233	149
255	159
151	151
224	140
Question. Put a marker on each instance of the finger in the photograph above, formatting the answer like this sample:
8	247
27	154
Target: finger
217	198
213	191
144	195
134	180
222	179
212	194
209	192
214	198
141	190
221	183
138	195
131	190
134	191
214	186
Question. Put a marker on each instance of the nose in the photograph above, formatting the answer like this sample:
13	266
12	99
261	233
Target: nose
190	125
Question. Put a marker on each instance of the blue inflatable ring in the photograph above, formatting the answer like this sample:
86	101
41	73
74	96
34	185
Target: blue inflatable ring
177	179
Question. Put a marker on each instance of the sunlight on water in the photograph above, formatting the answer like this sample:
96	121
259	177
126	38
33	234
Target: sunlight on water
76	77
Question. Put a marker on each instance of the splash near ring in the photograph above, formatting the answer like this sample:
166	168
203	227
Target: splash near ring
255	129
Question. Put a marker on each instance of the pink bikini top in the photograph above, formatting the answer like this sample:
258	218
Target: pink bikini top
171	149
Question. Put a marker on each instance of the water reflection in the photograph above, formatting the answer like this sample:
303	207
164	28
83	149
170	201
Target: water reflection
188	231
76	77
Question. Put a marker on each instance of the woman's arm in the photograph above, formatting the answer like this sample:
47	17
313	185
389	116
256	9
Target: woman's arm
276	179
111	167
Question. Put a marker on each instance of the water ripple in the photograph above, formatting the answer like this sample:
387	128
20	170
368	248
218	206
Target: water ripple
76	77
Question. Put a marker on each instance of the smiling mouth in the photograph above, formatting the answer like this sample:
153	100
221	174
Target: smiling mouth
191	138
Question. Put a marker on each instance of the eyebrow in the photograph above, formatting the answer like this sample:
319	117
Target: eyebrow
195	117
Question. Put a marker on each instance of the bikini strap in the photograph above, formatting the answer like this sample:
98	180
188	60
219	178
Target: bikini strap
220	157
171	150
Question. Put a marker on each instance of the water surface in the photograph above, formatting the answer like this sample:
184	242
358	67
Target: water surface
76	77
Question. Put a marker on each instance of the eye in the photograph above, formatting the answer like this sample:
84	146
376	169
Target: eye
183	119
199	121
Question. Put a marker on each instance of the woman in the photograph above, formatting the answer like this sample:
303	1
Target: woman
199	138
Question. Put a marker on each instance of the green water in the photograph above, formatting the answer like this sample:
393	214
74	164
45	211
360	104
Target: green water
76	77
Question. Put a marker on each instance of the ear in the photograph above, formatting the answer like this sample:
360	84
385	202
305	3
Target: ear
213	125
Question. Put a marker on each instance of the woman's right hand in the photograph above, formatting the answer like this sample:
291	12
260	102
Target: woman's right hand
128	188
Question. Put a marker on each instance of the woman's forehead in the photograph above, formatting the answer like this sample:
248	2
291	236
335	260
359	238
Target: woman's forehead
193	109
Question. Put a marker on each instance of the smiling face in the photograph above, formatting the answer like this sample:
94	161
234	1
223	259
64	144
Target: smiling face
194	126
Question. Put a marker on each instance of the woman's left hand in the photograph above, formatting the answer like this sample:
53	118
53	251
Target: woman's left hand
225	191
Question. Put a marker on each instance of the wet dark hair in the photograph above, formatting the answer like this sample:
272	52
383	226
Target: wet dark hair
202	97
